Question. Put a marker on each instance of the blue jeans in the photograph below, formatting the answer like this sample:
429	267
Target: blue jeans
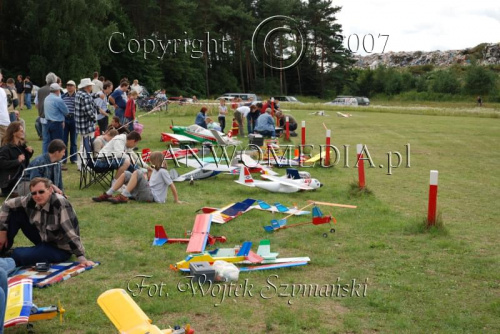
45	138
113	163
3	297
56	130
130	126
120	113
70	135
27	100
41	252
12	116
38	127
267	133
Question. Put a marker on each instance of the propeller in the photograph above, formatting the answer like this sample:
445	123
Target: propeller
61	311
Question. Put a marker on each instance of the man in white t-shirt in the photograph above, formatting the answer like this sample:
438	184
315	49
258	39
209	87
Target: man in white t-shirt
240	114
98	84
4	113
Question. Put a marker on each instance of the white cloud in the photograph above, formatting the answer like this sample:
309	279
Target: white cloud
421	25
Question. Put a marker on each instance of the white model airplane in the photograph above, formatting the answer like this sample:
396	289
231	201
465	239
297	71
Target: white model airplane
202	170
276	183
254	166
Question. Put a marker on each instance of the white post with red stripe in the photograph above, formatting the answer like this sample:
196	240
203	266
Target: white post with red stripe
433	189
328	143
303	133
361	166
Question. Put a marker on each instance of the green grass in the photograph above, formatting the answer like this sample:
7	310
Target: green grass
417	282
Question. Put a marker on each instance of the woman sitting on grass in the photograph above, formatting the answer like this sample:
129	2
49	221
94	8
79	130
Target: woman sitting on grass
138	186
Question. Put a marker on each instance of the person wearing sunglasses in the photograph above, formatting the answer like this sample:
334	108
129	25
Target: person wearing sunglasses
48	220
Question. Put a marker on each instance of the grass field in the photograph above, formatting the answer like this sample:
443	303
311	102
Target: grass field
439	281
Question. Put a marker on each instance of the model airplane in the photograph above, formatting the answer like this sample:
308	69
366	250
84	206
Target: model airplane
128	317
278	207
317	218
277	184
170	153
229	212
202	135
243	255
177	139
203	170
20	308
199	236
252	165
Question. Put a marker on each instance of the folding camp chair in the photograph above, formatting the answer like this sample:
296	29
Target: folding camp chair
89	173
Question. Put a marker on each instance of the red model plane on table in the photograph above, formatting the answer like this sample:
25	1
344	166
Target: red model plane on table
199	236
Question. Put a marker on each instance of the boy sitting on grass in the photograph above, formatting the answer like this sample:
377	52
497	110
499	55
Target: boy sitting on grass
150	187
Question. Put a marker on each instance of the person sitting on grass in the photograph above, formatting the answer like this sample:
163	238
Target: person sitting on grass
211	125
48	220
115	123
47	168
15	156
138	186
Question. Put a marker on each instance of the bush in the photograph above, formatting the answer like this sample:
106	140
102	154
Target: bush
445	82
479	80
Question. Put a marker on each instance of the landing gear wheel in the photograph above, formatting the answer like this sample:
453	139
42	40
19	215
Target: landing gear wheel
325	235
332	230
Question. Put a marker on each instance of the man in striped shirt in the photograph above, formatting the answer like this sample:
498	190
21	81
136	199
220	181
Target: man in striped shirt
69	124
48	220
85	113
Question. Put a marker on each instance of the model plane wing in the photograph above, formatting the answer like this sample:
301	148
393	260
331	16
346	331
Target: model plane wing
19	302
176	138
200	232
287	182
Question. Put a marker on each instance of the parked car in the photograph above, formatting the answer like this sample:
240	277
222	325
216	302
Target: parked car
243	96
180	99
363	101
291	99
350	101
344	101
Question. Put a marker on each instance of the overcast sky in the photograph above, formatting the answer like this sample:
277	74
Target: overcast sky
420	25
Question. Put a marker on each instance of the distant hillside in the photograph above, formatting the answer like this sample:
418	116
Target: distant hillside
484	54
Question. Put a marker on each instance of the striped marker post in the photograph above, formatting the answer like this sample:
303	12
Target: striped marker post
361	166
433	190
303	133
287	128
328	141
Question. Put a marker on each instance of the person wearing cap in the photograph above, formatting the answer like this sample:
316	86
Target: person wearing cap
85	113
265	124
55	112
42	93
69	123
201	118
102	103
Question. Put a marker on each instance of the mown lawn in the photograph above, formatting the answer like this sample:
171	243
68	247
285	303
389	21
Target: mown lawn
444	281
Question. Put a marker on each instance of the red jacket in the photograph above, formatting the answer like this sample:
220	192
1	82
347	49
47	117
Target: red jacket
130	109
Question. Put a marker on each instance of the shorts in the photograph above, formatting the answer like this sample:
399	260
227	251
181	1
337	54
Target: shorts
142	191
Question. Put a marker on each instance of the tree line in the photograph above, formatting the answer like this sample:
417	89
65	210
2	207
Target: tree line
428	82
74	38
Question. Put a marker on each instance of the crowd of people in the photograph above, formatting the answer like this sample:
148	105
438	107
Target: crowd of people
262	118
38	205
